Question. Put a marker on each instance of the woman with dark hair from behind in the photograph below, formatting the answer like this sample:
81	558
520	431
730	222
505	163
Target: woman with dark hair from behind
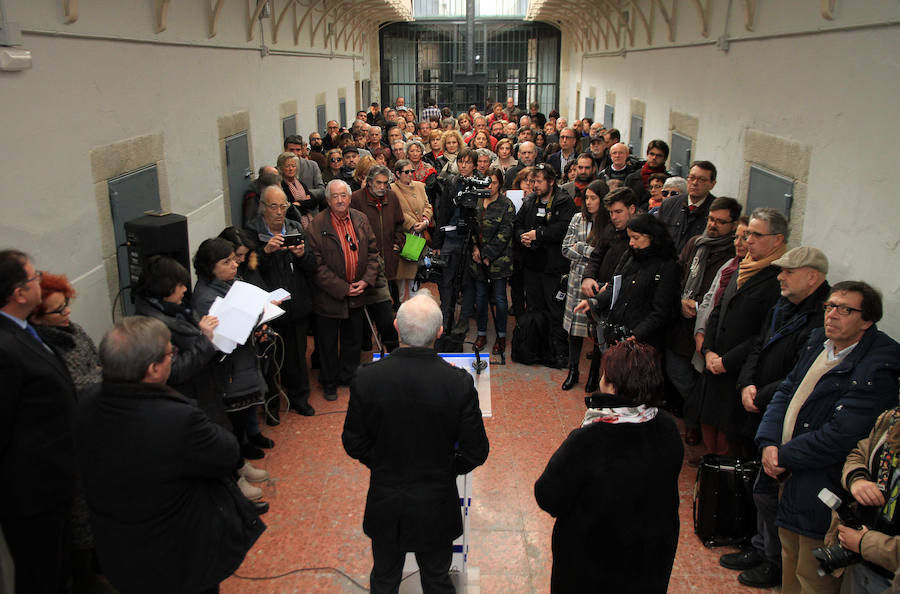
585	231
650	286
216	267
613	484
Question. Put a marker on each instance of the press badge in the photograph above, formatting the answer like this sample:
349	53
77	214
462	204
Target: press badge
541	212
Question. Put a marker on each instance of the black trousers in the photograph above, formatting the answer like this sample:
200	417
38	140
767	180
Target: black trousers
339	342
40	549
540	295
294	374
382	315
434	568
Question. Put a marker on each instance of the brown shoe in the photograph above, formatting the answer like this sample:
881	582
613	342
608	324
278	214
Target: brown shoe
692	437
479	342
499	345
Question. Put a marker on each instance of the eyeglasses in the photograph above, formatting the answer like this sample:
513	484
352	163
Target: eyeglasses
338	160
567	136
658	155
349	239
173	353
407	171
844	310
38	275
694	178
716	221
59	310
669	193
277	207
758	235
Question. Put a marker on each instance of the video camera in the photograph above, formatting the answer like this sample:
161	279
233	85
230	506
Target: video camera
473	188
431	267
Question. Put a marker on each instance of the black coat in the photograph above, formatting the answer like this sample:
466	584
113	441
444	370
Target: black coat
545	254
613	489
730	332
681	222
158	477
777	348
603	260
37	453
194	372
648	298
414	420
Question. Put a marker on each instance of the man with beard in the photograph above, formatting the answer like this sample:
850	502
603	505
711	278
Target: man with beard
541	224
382	208
584	175
700	259
315	143
639	181
351	158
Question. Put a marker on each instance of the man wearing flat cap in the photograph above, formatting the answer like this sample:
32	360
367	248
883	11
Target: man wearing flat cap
776	350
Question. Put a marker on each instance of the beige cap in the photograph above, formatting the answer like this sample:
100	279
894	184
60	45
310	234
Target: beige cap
804	256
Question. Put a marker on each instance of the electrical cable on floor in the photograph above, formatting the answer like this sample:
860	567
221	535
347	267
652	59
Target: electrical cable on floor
302	569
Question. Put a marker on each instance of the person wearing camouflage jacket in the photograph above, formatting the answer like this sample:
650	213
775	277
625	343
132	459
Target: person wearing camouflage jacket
492	258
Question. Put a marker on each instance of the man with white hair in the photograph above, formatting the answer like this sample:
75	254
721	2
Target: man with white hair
414	420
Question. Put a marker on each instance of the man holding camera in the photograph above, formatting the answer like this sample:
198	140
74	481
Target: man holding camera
541	224
846	376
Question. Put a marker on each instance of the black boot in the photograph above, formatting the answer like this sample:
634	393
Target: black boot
571	379
593	378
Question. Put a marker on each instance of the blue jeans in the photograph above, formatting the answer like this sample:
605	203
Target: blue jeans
499	298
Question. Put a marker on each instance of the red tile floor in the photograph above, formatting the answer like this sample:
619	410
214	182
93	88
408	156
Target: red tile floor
317	495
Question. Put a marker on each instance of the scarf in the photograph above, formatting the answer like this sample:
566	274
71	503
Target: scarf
619	415
703	248
888	453
422	171
297	192
647	171
725	278
749	268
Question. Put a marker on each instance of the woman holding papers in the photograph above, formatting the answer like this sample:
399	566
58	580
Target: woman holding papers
648	281
216	267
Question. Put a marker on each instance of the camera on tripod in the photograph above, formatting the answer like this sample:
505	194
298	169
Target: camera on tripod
431	267
472	189
836	556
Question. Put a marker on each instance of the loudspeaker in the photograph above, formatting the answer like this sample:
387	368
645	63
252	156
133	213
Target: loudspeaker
151	235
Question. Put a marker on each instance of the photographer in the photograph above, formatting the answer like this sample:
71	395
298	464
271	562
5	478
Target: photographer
448	238
869	473
541	224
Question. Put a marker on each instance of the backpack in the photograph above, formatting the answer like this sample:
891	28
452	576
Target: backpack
530	342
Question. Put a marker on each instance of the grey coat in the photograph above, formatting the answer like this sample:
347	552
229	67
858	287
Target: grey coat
577	250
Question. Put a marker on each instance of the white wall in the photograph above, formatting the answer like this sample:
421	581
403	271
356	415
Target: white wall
85	93
837	92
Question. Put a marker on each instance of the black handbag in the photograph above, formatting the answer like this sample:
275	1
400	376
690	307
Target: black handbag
724	512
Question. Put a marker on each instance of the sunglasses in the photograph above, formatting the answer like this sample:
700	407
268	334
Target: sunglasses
407	171
350	241
336	160
669	192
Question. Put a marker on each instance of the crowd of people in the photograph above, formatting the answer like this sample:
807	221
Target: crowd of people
520	213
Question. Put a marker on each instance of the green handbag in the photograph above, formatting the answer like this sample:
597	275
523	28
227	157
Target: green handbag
412	247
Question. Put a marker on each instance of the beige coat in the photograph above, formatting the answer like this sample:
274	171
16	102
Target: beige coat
414	204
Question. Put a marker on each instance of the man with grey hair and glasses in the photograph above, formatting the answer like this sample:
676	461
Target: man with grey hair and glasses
158	473
415	422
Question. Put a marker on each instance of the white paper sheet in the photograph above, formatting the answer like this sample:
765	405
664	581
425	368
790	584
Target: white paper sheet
517	197
617	285
279	295
238	313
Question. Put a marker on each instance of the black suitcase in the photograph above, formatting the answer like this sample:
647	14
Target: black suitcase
724	512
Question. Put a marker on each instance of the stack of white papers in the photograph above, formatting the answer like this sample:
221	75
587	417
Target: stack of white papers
243	308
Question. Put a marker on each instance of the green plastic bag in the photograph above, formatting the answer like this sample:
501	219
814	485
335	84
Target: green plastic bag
412	248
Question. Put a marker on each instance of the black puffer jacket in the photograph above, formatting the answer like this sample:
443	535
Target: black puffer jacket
240	369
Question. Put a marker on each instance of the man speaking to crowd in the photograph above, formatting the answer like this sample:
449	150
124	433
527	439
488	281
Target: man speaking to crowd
414	420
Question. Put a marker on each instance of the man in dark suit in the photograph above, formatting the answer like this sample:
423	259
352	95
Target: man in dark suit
414	420
37	452
567	152
158	474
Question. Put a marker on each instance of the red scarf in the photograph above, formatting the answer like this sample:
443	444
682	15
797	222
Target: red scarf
579	194
727	273
647	171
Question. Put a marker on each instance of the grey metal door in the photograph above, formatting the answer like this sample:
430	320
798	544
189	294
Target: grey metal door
609	115
680	156
767	188
321	122
237	168
342	111
130	196
288	126
636	135
589	103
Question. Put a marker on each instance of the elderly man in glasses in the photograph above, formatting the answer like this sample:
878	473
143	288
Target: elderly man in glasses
846	376
346	261
686	216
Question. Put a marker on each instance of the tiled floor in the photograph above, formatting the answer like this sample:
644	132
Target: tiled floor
318	494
